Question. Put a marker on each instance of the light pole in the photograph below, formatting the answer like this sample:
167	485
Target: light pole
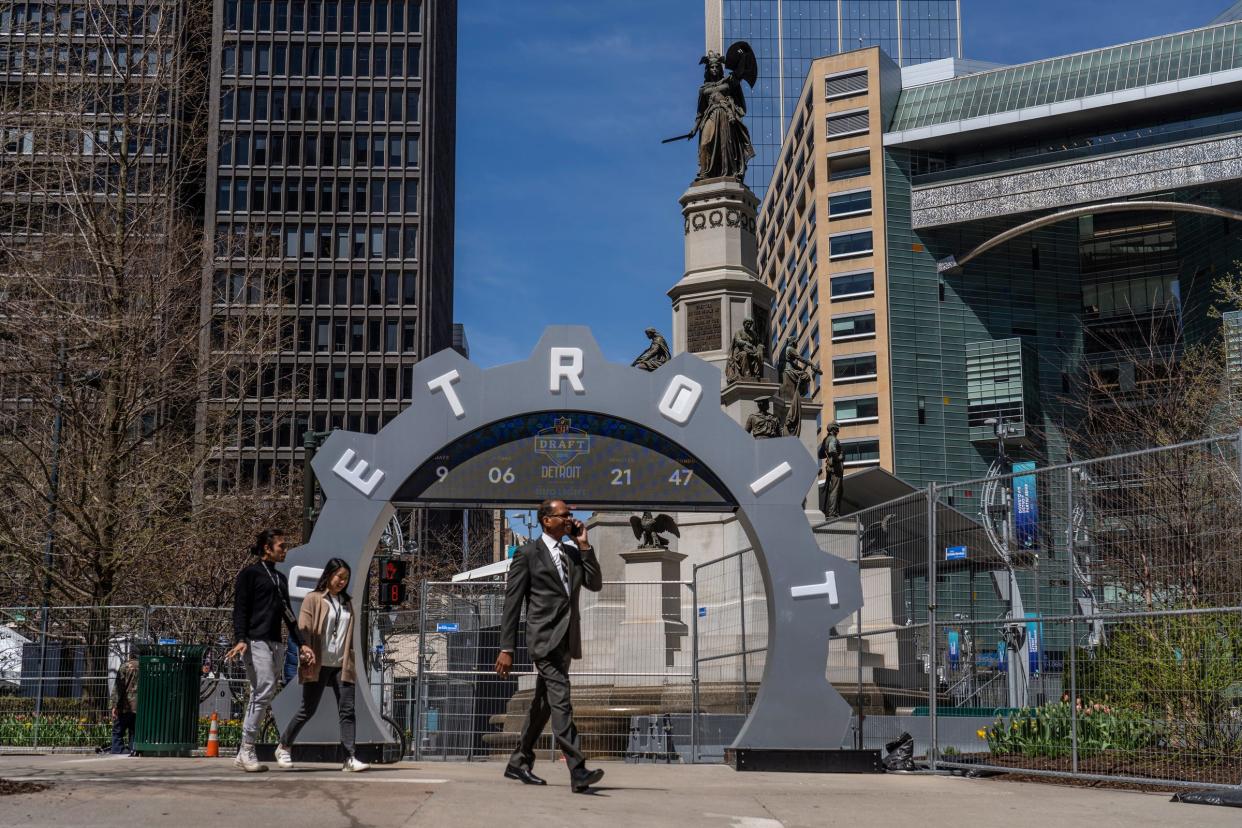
1013	632
311	441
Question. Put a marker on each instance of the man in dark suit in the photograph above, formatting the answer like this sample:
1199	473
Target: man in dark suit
546	575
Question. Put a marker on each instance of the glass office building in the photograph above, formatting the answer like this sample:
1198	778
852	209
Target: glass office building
330	201
788	34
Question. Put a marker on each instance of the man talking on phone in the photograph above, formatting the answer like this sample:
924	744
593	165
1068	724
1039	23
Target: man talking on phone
546	575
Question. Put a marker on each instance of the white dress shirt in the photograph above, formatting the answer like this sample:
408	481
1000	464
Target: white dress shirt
558	552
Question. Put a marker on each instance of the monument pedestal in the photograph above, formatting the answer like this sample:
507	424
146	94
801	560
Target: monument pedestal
653	631
721	288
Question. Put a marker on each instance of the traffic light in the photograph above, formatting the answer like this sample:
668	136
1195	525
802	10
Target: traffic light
392	582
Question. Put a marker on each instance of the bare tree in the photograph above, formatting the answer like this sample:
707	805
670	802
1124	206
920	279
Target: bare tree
102	369
1165	525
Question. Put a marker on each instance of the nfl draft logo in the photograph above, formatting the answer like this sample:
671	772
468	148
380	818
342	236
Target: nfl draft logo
562	443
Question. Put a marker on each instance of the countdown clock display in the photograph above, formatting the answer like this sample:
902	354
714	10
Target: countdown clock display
587	459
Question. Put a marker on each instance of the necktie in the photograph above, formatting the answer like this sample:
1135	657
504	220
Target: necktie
562	564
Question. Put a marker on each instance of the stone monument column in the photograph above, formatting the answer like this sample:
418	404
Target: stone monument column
721	287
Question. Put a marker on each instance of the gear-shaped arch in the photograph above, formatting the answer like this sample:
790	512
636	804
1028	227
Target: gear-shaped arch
807	590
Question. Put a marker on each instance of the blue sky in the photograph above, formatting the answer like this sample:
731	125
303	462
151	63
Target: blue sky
567	206
567	202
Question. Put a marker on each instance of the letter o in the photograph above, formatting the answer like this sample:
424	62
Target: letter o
680	399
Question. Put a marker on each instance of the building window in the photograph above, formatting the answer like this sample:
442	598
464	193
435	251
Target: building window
849	165
845	85
994	386
853	326
853	203
852	285
855	410
854	122
853	368
847	245
861	452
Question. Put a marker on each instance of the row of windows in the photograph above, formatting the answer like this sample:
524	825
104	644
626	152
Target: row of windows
324	241
852	285
861	452
845	245
850	165
296	103
333	335
849	204
340	195
61	18
288	382
148	142
853	326
322	15
357	336
324	288
310	149
853	368
346	61
79	59
856	410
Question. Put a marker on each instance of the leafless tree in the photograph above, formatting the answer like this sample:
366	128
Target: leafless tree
102	369
1165	527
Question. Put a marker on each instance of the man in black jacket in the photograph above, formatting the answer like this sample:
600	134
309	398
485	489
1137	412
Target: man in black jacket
546	575
260	606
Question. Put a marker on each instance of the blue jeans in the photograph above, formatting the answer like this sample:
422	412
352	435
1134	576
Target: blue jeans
291	662
123	723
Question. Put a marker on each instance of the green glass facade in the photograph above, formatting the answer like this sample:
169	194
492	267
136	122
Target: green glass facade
1131	66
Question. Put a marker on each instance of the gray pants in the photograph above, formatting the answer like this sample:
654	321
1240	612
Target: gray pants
551	701
263	660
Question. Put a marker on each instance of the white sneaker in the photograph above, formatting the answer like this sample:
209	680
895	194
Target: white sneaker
247	761
283	758
354	765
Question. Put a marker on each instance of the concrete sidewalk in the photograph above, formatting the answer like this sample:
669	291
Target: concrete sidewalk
209	793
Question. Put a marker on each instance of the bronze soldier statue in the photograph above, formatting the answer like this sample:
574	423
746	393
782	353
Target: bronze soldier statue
763	423
833	455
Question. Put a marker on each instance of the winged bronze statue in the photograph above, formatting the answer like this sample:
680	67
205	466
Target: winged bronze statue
647	529
724	141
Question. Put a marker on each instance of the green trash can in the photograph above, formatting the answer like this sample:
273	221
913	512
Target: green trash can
168	680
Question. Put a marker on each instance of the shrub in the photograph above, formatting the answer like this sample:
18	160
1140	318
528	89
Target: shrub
1048	731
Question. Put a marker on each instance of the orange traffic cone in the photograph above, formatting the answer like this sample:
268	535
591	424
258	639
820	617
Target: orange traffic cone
213	736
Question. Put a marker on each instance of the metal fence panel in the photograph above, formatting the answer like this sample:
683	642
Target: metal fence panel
636	668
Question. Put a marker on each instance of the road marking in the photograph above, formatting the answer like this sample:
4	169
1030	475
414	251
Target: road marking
110	757
240	777
748	822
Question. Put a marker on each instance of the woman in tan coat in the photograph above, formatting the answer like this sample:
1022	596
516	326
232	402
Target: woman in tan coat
326	626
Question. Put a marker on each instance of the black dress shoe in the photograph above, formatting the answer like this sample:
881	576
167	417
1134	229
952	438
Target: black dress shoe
523	775
582	782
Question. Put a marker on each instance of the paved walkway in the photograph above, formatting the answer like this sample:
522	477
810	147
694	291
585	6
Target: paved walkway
209	793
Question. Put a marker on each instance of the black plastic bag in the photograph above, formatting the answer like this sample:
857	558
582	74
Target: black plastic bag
900	753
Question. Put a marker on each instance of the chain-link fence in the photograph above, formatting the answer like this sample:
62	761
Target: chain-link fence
58	668
631	690
1083	619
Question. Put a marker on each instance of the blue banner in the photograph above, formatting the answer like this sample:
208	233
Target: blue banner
1025	506
955	649
1033	634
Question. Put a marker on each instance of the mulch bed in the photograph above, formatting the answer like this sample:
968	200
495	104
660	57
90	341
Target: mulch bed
1110	763
10	788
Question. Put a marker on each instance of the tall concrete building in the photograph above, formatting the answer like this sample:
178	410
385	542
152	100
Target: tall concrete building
330	200
788	34
957	244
